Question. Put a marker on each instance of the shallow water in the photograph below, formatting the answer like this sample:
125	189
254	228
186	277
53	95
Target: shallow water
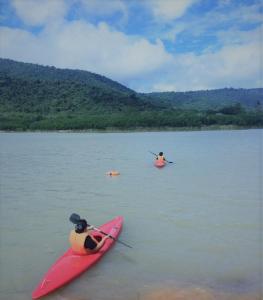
195	225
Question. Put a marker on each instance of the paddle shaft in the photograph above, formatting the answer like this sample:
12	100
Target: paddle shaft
110	236
153	153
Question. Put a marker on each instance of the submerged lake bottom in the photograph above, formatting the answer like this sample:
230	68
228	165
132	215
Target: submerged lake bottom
195	225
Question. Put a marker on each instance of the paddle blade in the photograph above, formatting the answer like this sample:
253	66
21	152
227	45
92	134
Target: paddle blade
74	218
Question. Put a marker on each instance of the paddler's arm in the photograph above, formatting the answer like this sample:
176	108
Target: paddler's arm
101	243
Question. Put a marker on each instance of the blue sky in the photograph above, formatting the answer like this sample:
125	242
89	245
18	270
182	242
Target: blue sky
147	45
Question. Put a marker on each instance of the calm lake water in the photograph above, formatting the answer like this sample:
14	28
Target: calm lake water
195	225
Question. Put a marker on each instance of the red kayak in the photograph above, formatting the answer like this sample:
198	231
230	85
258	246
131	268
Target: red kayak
71	265
159	163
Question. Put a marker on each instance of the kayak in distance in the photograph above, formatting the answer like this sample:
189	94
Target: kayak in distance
159	163
70	265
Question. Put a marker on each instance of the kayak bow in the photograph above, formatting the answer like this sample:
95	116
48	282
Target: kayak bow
70	265
159	163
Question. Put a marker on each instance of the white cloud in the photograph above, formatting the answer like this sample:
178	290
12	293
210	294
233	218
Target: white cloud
133	60
80	45
216	23
242	15
39	12
168	10
232	66
247	13
102	50
234	36
25	44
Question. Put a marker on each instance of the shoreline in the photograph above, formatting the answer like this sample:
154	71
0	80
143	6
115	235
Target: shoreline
194	292
137	129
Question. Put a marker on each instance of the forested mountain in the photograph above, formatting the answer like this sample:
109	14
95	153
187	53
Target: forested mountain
28	71
41	97
32	88
210	99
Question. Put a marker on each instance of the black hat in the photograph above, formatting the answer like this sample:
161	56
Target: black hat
81	226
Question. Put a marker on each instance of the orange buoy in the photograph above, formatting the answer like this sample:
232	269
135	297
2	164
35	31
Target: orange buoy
113	173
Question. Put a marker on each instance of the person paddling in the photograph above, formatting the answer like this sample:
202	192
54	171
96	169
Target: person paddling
160	157
83	240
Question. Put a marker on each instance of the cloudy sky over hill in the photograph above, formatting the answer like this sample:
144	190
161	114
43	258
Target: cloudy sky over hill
148	45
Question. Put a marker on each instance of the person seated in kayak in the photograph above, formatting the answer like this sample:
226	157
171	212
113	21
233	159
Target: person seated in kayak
83	240
160	157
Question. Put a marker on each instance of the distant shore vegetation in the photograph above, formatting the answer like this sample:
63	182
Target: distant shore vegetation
130	121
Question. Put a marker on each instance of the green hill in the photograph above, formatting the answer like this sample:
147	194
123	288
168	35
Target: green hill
210	99
32	88
47	98
28	71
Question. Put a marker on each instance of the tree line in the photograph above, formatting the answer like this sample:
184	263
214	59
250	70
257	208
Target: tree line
128	120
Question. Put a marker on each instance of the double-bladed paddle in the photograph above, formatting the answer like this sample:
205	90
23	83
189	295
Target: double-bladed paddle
170	162
74	218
